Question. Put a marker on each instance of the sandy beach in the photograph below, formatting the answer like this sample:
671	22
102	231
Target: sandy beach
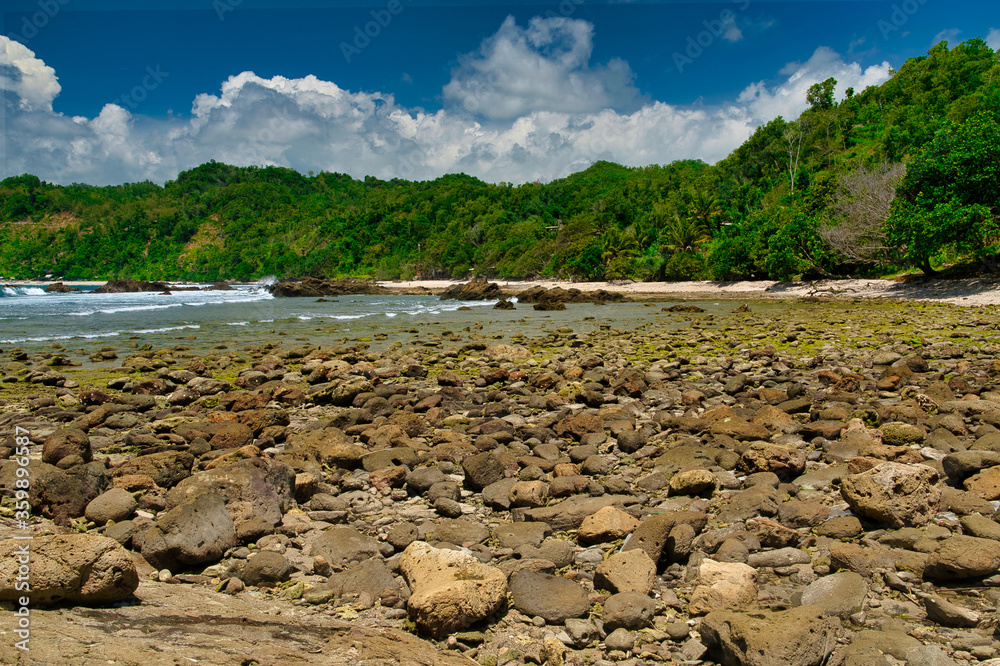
966	292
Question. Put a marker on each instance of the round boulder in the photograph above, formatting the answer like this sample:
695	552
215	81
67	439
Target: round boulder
82	569
115	504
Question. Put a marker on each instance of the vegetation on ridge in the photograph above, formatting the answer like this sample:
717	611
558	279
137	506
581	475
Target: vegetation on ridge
906	174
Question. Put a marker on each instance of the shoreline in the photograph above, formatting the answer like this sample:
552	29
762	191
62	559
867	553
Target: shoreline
968	292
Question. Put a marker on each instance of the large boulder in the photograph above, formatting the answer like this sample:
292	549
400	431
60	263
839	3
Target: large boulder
257	491
76	568
450	589
312	287
477	289
894	494
55	493
199	531
802	636
130	286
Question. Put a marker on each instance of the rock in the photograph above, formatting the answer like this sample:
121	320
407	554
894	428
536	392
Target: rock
947	614
84	569
782	557
115	504
461	532
628	571
529	493
421	479
451	590
60	288
551	597
894	494
341	546
481	470
628	610
928	655
130	286
619	639
963	464
653	533
477	289
841	594
723	585
802	636
570	513
962	557
786	462
166	468
231	435
901	434
314	287
841	527
985	484
980	526
368	581
66	442
608	524
693	482
266	567
196	532
255	490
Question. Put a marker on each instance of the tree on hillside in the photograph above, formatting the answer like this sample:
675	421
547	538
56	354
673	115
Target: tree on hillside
793	134
862	204
950	198
820	95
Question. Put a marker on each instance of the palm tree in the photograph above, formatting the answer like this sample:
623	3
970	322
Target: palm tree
706	208
684	234
619	244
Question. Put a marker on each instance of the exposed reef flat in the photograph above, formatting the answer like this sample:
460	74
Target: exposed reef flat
733	487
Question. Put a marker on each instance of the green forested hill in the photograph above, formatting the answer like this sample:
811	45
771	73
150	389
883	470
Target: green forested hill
906	174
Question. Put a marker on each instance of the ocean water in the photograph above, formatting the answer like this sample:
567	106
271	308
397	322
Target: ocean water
80	324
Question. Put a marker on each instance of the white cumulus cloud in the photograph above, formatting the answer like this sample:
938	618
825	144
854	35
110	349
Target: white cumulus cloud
544	67
993	39
788	99
519	132
27	77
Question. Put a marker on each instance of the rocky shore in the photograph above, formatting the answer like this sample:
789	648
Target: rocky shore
705	489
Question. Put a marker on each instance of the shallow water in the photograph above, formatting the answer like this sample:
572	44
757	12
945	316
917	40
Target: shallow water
84	323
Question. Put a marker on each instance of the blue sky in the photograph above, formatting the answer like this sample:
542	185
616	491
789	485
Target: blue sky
98	92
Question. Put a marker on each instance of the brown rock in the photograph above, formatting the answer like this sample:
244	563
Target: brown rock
802	636
628	571
894	494
608	524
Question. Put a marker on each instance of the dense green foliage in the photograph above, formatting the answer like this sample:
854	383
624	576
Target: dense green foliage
782	205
